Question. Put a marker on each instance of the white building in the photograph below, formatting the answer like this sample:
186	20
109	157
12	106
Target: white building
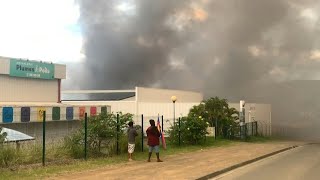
30	81
257	112
150	102
27	89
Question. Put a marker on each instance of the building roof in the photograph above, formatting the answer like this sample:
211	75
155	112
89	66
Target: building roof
38	104
97	96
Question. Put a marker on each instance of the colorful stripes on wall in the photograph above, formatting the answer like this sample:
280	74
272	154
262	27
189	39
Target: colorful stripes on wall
25	114
69	113
7	114
35	114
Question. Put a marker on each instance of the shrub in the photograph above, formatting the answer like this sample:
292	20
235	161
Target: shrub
3	135
74	145
102	133
216	109
193	131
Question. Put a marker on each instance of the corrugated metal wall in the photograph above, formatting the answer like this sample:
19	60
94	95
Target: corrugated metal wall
16	89
13	89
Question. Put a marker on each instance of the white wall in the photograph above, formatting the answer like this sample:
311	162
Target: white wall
151	111
150	102
14	89
165	109
164	95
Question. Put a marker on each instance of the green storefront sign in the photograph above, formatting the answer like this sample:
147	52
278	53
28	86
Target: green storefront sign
31	69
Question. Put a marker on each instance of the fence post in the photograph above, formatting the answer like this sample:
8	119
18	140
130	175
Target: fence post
142	133
252	123
118	129
256	128
85	135
44	139
216	129
162	123
245	131
179	133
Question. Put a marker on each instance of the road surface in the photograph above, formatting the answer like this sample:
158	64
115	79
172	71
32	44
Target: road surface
300	163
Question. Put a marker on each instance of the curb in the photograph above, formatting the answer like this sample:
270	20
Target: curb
217	173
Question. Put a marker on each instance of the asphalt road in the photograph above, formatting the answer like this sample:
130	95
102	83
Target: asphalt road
301	163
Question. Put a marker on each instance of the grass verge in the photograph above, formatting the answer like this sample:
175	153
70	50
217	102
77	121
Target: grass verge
36	171
260	139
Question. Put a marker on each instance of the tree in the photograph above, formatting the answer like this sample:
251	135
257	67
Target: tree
102	129
193	130
216	109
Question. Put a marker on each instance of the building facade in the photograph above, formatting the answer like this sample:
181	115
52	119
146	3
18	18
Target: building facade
30	88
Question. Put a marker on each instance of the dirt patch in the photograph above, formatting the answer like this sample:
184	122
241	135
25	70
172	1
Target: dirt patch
183	166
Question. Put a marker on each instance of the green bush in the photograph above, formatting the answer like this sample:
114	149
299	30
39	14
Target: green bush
3	135
193	131
74	145
102	134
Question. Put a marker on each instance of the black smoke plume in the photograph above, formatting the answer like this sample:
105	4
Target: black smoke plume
253	50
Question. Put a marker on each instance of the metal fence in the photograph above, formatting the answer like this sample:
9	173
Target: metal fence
52	137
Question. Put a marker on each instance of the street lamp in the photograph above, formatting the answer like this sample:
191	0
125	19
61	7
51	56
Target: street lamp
174	99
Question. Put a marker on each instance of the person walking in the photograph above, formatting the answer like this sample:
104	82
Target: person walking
153	135
132	133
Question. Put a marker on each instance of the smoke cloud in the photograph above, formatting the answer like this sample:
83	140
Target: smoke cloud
252	50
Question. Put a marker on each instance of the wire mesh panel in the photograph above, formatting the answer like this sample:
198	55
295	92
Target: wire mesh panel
251	128
264	128
60	123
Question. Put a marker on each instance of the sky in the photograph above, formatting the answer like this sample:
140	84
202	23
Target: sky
46	30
